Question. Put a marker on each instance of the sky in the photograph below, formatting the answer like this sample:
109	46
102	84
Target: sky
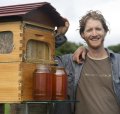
73	10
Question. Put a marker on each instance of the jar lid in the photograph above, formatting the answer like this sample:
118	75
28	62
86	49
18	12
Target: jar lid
42	66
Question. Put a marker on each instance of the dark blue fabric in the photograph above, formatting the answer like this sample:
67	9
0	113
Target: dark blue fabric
60	40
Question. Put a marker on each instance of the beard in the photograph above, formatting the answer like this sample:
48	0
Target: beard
93	45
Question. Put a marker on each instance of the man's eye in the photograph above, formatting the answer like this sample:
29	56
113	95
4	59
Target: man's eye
98	29
89	30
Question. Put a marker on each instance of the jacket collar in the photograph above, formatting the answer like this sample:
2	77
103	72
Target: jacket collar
111	54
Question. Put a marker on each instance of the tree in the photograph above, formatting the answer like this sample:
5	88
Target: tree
66	48
115	48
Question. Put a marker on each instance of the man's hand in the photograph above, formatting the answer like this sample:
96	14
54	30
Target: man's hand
79	54
62	29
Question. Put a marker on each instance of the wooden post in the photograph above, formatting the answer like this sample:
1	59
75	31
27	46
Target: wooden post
7	108
1	108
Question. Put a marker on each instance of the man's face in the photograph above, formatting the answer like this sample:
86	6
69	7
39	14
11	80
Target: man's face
94	34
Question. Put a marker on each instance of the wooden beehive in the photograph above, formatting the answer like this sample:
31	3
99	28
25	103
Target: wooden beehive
26	39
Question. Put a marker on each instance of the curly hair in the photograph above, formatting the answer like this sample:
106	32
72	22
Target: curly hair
96	15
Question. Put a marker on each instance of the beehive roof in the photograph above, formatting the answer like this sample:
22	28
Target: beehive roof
24	10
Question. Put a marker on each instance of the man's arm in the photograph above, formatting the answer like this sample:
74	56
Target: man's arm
79	54
60	37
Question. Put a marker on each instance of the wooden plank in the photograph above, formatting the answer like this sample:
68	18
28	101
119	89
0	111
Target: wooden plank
15	28
46	37
27	87
3	25
10	82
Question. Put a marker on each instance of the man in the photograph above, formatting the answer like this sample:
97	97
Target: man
95	82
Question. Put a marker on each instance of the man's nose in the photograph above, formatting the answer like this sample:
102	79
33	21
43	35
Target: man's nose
94	33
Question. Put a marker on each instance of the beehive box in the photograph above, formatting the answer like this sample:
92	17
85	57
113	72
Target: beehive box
26	39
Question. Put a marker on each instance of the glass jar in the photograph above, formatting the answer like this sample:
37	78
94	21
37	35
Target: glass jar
42	81
59	84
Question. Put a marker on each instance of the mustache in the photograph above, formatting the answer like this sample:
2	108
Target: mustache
94	37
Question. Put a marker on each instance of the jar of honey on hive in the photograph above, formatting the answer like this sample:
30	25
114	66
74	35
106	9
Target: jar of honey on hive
59	84
42	82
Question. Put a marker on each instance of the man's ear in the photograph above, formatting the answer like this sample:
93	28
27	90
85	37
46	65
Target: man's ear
82	35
